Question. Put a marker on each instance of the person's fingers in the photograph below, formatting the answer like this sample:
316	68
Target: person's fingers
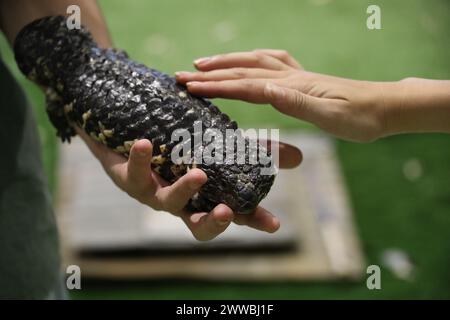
299	105
228	74
173	198
289	156
239	59
281	55
261	219
139	165
206	226
250	90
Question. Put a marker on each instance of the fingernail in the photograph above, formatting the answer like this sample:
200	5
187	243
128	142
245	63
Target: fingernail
276	223
182	73
223	222
203	60
142	149
192	83
195	185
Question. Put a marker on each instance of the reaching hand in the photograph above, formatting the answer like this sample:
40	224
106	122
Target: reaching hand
343	107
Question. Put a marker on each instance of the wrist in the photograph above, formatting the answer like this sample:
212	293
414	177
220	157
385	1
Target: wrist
414	105
395	107
378	102
389	105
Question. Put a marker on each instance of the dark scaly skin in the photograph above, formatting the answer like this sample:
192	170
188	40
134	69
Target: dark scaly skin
117	101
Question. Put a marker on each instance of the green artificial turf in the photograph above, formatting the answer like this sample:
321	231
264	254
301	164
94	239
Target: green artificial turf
329	37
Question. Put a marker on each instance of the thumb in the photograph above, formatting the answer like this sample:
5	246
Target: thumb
139	161
293	102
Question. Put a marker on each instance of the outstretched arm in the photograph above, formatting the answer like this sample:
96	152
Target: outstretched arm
350	109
